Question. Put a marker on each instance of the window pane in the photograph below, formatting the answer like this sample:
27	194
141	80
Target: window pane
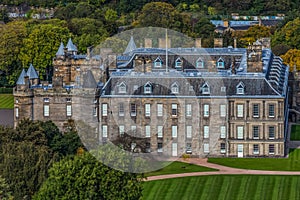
174	109
147	130
132	109
104	130
147	110
17	112
240	110
121	109
46	110
104	109
223	148
206	110
271	110
240	132
188	110
271	148
121	129
223	110
174	131
159	147
255	110
69	110
189	131
159	110
271	132
160	131
206	148
255	149
223	131
255	132
206	131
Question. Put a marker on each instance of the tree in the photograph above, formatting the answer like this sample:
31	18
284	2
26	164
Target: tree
83	177
11	41
5	193
41	45
292	58
254	33
159	14
288	35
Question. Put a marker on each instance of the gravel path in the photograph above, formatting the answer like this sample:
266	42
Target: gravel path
222	170
7	117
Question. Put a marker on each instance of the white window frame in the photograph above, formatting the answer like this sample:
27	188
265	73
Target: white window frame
148	88
133	111
160	109
223	89
206	147
223	110
221	63
255	110
121	109
147	131
46	110
273	147
240	110
158	62
17	112
122	88
174	131
178	62
271	112
160	131
206	110
199	63
271	130
69	110
174	110
255	151
205	131
188	110
175	88
255	130
104	109
104	131
121	129
205	89
222	132
147	110
240	132
240	88
46	100
222	149
159	149
189	131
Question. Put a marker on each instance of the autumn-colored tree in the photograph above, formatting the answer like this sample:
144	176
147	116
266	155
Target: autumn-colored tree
292	58
254	33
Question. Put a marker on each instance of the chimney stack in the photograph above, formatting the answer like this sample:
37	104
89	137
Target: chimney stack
218	42
235	43
198	43
148	43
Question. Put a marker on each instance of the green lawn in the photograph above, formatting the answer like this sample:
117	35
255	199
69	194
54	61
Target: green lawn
6	101
178	168
277	164
231	187
295	132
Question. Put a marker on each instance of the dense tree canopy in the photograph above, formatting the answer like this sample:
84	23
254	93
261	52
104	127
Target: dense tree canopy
83	177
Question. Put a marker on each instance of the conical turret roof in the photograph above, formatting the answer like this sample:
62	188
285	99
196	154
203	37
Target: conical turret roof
131	46
21	80
71	46
60	51
32	72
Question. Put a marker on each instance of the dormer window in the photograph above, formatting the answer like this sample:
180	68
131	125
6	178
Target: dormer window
240	88
178	63
158	62
199	63
220	63
122	88
205	89
175	88
46	100
148	88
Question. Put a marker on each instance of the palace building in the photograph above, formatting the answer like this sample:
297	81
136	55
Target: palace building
223	101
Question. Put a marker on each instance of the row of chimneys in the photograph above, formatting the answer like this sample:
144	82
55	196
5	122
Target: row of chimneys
218	43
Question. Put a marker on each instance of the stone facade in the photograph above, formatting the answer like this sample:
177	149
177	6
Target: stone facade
203	102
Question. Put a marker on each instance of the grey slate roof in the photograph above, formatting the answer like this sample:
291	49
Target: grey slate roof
21	80
60	51
161	85
32	73
131	46
71	46
89	80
